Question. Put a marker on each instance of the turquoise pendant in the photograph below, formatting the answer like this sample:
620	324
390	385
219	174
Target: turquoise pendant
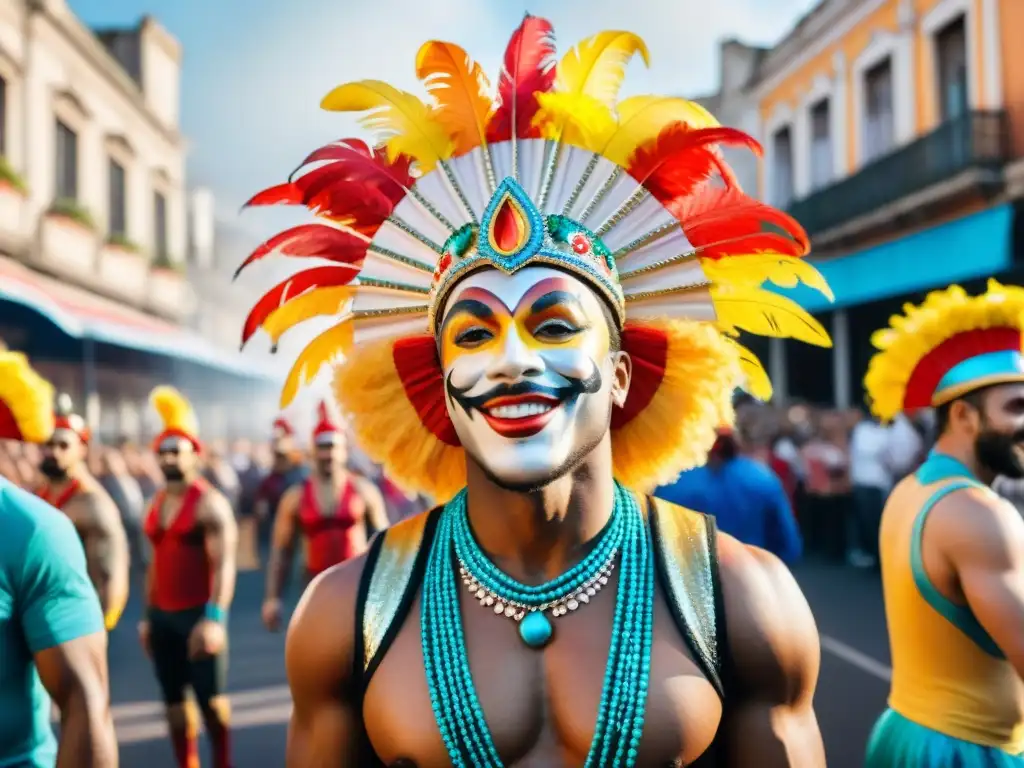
535	629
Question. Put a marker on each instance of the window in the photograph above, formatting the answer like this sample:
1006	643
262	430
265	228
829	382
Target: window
951	65
67	163
782	167
116	202
160	226
821	144
3	116
879	118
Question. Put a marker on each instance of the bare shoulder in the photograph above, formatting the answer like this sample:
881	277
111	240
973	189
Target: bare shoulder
92	506
291	497
366	488
215	507
773	640
975	524
320	646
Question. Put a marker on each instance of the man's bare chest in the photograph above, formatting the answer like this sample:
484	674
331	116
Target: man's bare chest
541	707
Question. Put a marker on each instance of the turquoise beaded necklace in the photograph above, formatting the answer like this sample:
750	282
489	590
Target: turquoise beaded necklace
453	697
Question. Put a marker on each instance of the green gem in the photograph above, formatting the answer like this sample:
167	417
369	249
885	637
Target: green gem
535	629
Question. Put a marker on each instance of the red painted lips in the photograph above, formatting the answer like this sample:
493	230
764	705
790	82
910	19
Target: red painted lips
519	416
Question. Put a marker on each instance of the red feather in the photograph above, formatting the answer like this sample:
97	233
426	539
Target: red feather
529	68
355	205
296	285
353	160
280	194
313	240
722	221
680	158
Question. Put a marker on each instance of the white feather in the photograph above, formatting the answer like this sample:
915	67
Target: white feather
687	306
366	329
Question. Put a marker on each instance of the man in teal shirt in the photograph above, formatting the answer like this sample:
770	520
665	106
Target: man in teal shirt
52	641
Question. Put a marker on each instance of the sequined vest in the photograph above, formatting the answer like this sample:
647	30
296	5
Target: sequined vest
686	556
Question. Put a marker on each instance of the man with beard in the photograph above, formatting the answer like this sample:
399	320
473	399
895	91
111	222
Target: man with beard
190	585
52	641
333	511
74	491
952	551
530	325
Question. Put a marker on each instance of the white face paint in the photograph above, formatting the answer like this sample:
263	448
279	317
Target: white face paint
528	372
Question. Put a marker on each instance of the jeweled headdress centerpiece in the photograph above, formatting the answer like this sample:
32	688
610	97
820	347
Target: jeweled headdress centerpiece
514	234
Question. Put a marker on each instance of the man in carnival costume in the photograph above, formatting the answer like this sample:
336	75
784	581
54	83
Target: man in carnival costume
74	491
530	315
952	551
190	585
332	511
52	639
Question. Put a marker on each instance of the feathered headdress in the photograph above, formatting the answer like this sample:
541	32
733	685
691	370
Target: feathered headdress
631	196
65	418
26	401
283	427
948	346
177	416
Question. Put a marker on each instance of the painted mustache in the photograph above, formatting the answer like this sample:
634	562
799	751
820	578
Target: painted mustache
523	409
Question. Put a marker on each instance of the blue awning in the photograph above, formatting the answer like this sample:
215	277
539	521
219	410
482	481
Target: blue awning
976	245
83	315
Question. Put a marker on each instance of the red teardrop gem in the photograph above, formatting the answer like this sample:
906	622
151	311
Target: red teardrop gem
506	227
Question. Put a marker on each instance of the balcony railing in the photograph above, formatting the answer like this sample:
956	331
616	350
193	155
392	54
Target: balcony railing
976	140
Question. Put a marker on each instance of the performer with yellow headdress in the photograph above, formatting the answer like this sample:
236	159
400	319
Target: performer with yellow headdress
537	296
72	489
51	624
952	551
191	583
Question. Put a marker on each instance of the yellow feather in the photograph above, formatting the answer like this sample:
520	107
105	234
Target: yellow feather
461	92
765	313
400	120
28	396
174	409
754	269
319	302
757	382
597	65
575	119
641	119
321	351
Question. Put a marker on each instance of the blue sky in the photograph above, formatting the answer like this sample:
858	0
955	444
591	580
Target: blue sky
254	70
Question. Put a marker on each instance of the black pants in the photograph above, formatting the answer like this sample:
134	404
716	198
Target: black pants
175	671
868	503
824	523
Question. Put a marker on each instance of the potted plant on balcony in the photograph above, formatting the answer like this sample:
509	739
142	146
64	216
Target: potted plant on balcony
72	210
121	242
163	263
10	179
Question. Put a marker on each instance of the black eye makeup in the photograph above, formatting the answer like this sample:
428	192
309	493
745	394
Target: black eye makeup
473	336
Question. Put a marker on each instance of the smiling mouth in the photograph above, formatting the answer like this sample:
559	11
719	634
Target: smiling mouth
519	416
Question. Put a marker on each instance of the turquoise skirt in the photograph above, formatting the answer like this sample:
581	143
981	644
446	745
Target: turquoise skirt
897	742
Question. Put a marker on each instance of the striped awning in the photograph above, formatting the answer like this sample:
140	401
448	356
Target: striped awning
84	315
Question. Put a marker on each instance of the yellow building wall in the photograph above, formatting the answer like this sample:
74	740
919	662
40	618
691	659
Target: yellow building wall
790	90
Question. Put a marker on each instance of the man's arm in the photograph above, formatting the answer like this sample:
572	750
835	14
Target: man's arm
983	538
63	627
106	549
773	645
376	509
282	543
325	727
221	540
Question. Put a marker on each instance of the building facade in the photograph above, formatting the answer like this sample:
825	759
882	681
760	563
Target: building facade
94	213
892	130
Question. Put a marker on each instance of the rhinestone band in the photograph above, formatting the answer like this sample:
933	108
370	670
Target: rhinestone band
516	611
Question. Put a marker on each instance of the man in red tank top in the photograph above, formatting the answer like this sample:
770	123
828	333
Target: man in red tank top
332	512
71	488
190	584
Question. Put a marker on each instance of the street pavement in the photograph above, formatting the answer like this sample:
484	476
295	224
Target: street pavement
851	692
